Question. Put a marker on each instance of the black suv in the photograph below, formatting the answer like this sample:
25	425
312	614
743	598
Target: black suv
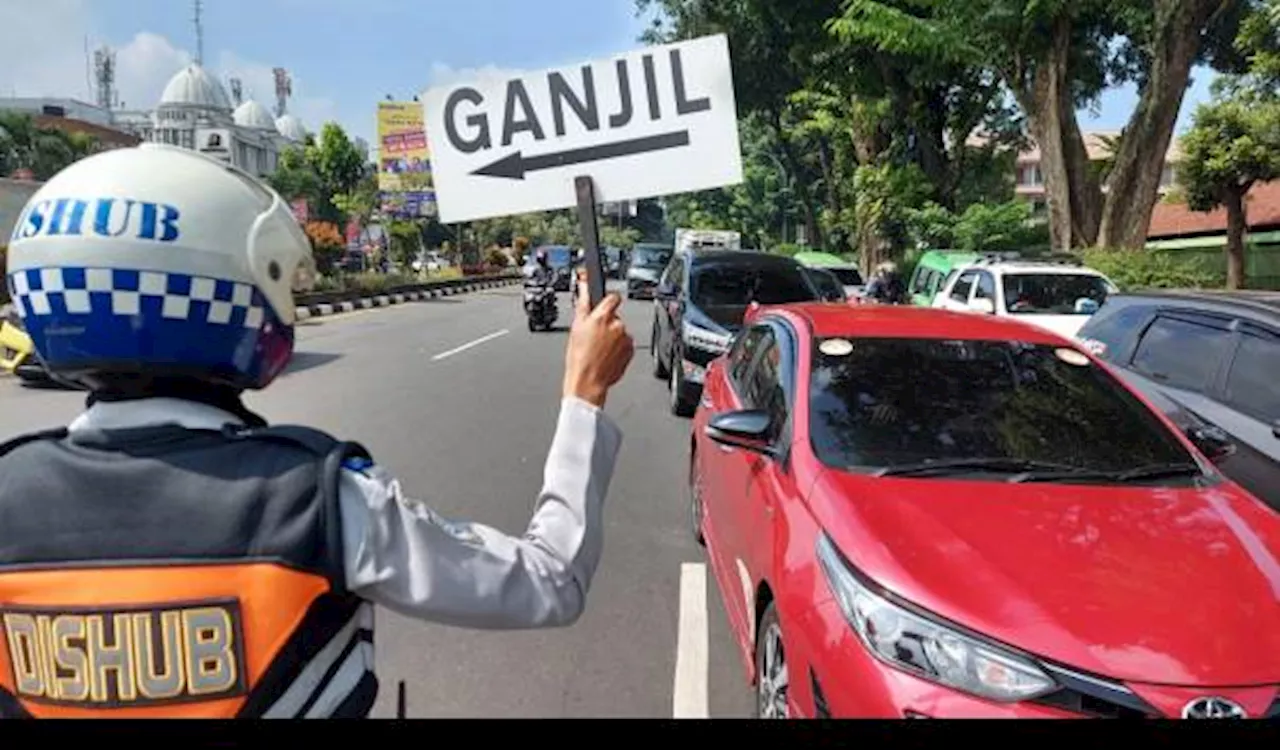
1210	361
699	306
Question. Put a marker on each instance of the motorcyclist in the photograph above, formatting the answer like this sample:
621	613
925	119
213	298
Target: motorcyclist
184	558
540	274
887	286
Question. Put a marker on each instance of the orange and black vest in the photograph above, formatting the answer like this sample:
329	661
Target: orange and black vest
166	572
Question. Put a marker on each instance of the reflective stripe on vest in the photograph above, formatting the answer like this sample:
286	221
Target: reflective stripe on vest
334	675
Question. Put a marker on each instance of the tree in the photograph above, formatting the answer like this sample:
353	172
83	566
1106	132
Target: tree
1056	56
43	150
816	104
405	241
624	239
336	159
326	172
296	178
771	40
361	202
1232	145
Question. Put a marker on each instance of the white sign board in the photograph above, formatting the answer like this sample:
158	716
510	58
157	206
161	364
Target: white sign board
651	122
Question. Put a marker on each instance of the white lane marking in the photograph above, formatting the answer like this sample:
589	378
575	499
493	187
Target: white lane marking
689	698
464	347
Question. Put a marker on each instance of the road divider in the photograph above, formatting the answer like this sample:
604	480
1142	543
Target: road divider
333	303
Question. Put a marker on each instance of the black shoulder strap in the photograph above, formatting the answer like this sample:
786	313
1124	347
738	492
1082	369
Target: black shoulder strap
331	453
56	433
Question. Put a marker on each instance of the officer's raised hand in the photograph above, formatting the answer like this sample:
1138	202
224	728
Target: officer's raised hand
600	349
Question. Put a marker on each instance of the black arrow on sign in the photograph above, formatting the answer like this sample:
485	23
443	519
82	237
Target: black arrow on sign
515	166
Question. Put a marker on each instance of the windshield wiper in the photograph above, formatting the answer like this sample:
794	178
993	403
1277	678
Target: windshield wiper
958	465
1140	474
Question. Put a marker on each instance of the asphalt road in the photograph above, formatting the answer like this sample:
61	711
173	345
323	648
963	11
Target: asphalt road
460	400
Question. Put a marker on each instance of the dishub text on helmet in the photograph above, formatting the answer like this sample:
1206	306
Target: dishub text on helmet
103	216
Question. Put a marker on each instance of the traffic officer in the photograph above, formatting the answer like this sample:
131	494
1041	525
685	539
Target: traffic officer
169	553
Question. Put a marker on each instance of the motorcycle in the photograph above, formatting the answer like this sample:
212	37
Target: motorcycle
540	307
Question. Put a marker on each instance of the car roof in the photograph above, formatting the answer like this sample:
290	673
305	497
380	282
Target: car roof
1037	267
951	257
822	260
1259	301
739	258
910	321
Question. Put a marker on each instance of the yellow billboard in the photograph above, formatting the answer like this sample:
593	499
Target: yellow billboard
404	162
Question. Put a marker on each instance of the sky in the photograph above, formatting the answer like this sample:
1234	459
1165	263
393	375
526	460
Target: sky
343	55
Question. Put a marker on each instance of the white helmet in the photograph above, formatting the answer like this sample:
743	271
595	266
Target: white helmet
157	261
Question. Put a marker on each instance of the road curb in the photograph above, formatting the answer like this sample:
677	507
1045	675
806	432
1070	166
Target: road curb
387	300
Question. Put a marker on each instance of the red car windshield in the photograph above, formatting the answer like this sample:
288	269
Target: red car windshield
900	402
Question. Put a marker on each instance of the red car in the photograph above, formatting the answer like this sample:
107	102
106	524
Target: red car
914	513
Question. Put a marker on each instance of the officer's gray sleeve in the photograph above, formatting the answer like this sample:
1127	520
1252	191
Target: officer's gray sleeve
402	555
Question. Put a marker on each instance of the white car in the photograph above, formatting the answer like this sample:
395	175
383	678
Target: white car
431	261
1058	296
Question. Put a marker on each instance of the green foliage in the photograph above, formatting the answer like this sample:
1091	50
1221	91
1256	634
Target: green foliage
1231	145
804	87
985	228
361	202
1151	269
612	236
885	194
404	241
543	228
1259	44
932	225
998	228
368	282
829	89
43	150
329	173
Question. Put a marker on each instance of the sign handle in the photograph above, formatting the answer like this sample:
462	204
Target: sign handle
586	190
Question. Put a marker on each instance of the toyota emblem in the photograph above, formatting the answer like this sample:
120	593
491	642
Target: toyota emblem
1213	708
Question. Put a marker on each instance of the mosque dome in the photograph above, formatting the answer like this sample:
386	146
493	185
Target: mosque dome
192	87
291	127
254	116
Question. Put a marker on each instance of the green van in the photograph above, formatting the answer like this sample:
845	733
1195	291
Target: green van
847	272
932	272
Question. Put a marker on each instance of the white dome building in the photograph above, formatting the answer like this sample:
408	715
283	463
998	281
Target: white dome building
194	89
254	116
195	112
291	127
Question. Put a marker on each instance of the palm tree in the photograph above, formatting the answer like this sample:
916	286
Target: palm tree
43	150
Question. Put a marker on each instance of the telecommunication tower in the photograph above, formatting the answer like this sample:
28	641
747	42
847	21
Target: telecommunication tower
104	75
199	11
284	90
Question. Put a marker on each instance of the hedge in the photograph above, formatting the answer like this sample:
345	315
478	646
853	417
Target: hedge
1132	270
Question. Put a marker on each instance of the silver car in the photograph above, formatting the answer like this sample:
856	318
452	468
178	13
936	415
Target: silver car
1210	361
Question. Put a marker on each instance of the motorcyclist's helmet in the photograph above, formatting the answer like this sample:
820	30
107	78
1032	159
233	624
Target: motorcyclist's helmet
541	257
158	262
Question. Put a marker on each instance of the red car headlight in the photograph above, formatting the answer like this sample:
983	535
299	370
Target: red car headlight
914	643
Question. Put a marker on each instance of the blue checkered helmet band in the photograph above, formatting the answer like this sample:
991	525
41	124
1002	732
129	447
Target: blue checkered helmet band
86	319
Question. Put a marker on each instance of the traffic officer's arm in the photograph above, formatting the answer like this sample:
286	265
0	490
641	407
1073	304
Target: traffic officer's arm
405	557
